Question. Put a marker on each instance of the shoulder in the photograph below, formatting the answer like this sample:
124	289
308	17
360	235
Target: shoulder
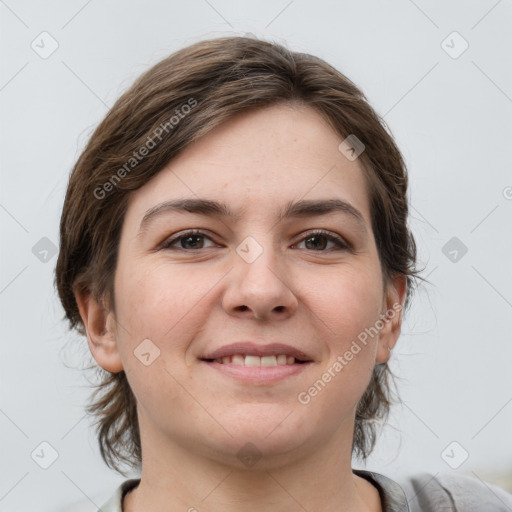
454	491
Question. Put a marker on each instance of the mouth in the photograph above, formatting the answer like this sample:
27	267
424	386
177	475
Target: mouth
257	361
253	363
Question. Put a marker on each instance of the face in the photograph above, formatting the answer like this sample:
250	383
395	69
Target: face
307	279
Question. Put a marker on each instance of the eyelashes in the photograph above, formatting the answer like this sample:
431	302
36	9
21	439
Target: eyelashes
193	235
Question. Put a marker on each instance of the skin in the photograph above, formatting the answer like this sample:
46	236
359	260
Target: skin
193	419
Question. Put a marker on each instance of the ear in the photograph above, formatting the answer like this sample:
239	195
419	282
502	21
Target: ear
100	326
391	317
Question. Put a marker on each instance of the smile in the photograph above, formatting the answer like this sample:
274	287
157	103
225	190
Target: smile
255	370
251	360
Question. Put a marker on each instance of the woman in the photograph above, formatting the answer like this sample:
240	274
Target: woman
234	244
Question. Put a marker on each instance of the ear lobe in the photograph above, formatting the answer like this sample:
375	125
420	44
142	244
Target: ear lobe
100	324
391	317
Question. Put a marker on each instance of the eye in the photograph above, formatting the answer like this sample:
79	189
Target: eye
321	238
192	239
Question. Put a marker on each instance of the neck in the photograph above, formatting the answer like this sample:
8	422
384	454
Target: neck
321	479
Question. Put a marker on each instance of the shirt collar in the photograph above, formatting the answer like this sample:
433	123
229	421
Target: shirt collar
391	494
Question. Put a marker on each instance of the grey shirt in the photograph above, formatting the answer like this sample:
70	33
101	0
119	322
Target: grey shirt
448	492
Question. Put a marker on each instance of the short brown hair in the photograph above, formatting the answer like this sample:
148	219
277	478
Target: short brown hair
214	79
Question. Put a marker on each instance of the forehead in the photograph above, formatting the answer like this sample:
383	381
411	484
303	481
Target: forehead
259	161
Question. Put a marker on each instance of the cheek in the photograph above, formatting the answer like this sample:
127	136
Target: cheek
349	309
159	313
342	378
168	305
349	302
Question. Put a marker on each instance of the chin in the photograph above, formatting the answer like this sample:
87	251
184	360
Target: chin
269	439
256	454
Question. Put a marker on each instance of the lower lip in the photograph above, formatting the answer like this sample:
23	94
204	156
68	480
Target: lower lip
258	374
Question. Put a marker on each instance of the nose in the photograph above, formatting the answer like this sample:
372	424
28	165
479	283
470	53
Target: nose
259	289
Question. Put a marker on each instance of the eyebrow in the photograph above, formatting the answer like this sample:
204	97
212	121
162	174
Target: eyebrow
294	209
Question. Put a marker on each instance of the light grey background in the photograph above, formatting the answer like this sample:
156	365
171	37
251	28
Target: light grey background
452	118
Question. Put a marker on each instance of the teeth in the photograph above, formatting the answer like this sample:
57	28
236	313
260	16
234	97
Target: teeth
239	359
252	361
269	361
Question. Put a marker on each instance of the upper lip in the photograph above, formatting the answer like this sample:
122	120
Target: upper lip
257	349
